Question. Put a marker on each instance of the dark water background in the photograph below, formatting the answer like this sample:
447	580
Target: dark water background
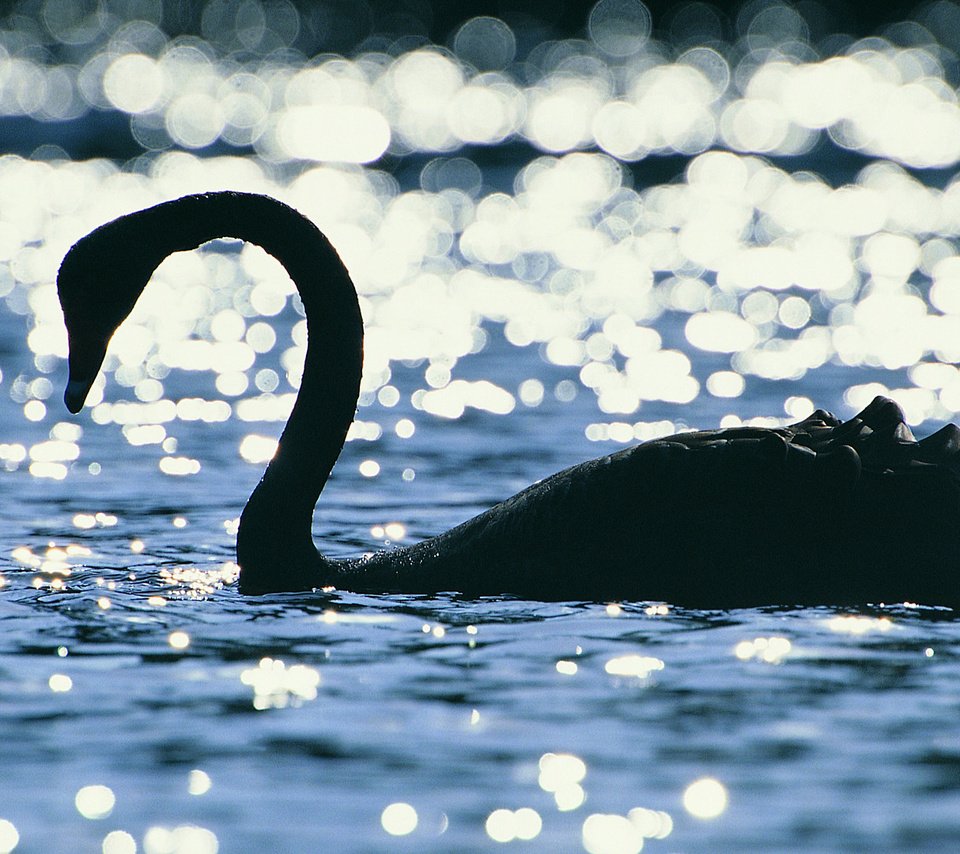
146	706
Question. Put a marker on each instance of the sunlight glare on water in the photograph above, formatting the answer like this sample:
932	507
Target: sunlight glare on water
119	842
705	798
505	825
9	837
859	625
882	324
561	774
199	782
95	802
611	834
399	819
275	686
640	666
771	650
185	839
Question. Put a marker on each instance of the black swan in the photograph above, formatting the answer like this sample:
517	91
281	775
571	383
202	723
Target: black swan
822	511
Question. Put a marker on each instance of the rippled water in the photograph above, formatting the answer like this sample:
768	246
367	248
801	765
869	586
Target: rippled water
529	303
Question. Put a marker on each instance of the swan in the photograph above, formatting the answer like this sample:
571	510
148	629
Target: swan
822	511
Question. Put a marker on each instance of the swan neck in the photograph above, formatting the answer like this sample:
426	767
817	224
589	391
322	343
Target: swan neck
275	528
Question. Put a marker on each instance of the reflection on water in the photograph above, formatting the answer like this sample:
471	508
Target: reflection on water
536	288
246	85
750	273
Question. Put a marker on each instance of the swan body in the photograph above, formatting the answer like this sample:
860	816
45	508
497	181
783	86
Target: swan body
821	511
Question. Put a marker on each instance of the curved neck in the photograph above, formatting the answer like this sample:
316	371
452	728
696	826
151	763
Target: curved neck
274	544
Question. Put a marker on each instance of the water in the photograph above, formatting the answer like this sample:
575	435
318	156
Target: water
510	283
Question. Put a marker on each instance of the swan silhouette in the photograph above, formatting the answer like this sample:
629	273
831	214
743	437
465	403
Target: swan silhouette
820	511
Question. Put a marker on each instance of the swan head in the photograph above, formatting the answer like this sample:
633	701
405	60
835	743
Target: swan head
99	282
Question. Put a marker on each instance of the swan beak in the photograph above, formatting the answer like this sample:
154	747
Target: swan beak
85	361
76	394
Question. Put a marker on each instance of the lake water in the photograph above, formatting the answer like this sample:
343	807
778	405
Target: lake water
561	247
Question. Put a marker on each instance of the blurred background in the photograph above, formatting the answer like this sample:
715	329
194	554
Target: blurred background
768	184
135	62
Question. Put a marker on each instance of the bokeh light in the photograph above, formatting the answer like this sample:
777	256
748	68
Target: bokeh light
95	801
9	836
119	842
705	798
276	686
399	819
184	839
505	825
